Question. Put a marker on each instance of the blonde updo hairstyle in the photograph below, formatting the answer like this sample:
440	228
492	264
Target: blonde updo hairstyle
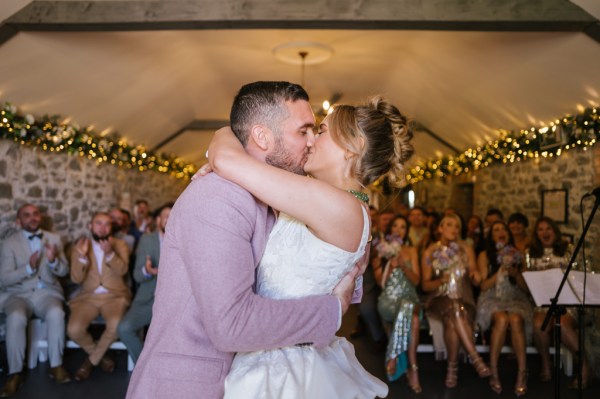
378	134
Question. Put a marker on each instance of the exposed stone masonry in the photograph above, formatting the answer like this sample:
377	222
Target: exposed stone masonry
70	188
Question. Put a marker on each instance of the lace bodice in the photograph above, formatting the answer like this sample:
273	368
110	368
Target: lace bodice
296	263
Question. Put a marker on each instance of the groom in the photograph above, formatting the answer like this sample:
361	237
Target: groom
205	308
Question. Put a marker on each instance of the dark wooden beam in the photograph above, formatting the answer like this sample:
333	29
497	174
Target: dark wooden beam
7	32
486	15
436	137
196	124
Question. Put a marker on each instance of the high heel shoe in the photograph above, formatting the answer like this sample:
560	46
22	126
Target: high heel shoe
495	381
521	385
393	370
451	374
412	377
481	368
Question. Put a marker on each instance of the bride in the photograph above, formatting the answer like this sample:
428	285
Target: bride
321	232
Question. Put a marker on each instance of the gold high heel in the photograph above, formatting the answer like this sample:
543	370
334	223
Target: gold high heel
521	385
413	371
495	381
481	368
451	374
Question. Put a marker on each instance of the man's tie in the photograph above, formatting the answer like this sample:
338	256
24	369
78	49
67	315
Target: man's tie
38	235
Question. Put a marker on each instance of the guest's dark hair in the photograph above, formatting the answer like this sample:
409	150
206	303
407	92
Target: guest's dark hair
262	102
158	210
490	247
142	201
478	238
125	212
388	229
559	247
518	217
495	211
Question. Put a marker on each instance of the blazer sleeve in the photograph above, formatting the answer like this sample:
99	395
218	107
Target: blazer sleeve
61	269
11	271
118	264
79	269
143	249
219	259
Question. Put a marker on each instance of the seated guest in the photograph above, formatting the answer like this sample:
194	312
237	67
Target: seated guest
548	250
145	272
397	270
492	215
120	227
31	261
418	225
448	268
142	222
518	224
475	234
504	302
100	266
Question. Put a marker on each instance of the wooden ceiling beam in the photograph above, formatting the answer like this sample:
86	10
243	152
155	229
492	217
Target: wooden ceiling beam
197	124
462	15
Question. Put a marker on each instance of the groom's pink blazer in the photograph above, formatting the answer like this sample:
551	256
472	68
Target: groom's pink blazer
205	308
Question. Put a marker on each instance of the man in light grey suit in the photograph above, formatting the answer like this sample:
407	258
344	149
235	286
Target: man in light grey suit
31	261
145	273
205	308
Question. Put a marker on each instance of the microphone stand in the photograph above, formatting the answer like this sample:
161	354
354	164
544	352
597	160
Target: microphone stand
559	310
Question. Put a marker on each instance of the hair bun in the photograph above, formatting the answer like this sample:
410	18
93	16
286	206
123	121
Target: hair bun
402	136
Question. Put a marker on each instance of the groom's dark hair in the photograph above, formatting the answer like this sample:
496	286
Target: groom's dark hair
262	102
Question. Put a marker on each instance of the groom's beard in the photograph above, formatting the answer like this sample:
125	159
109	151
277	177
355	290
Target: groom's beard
282	159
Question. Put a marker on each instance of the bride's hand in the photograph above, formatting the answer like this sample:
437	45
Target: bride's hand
223	145
203	171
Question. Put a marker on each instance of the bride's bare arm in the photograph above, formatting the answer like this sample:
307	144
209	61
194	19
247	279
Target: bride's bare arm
334	215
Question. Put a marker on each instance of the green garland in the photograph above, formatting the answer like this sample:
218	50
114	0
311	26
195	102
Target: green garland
579	131
49	134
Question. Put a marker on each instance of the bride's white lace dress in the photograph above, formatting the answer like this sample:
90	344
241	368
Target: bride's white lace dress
297	264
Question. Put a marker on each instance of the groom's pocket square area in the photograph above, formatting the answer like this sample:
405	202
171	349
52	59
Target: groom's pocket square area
173	366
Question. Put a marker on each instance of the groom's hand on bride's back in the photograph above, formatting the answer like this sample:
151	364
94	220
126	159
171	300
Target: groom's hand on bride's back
345	287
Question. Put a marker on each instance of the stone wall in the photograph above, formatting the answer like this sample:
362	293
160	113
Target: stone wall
70	188
518	188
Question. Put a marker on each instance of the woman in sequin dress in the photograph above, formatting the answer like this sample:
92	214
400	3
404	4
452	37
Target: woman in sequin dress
448	269
399	304
504	302
547	251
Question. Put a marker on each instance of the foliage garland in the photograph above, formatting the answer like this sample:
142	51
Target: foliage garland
571	131
49	134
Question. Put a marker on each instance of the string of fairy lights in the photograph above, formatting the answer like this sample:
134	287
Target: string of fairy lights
51	135
567	133
562	135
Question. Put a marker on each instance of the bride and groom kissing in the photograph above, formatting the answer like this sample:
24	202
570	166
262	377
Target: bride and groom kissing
270	287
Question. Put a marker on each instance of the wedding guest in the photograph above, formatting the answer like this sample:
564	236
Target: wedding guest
31	261
145	273
99	264
518	224
142	222
475	234
432	235
448	268
397	270
548	250
492	215
418	225
504	302
120	227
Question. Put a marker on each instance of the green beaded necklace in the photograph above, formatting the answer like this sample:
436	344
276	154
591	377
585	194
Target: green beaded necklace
360	195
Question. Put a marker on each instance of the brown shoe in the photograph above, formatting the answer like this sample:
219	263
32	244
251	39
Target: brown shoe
84	371
107	364
59	374
14	382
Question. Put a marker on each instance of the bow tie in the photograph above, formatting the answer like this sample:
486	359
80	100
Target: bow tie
38	235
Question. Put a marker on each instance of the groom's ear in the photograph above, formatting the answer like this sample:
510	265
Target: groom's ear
262	136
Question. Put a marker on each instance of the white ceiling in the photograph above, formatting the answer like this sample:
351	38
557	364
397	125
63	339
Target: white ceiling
147	85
